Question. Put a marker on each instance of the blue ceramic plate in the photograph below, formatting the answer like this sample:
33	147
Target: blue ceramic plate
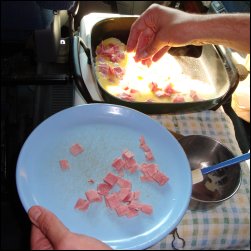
104	131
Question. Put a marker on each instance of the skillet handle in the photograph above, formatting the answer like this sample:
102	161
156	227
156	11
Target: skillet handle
76	69
232	74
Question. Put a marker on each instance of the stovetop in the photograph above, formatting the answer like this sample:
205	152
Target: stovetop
16	124
23	107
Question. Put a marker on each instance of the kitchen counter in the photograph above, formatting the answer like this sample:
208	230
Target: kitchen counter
224	225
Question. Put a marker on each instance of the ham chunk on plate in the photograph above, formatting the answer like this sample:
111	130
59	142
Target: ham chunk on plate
64	164
82	204
160	177
147	209
93	196
111	179
104	188
76	149
112	200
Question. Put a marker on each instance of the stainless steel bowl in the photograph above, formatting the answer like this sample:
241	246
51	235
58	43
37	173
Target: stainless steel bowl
217	186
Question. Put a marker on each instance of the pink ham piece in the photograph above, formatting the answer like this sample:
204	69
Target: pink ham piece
129	197
118	164
122	210
64	164
154	87
169	90
93	196
149	155
76	149
111	51
123	193
161	94
111	179
179	99
127	155
112	200
135	205
104	188
132	213
82	204
147	209
125	96
194	96
124	183
146	178
148	152
149	169
160	177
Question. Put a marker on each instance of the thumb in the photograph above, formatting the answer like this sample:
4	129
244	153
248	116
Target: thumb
48	224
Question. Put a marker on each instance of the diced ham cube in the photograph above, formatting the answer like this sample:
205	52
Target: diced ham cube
149	155
111	179
104	188
142	140
148	169
123	193
160	177
118	164
124	183
146	178
122	210
135	205
64	164
76	149
145	147
194	96
131	165
179	99
93	196
112	200
151	169
126	96
169	89
82	204
136	195
129	197
132	213
147	209
154	87
161	94
133	91
133	168
127	155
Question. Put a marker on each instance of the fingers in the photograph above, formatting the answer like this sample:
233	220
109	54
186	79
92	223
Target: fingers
160	53
48	223
38	240
137	27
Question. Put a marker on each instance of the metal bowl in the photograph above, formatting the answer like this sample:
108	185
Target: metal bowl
217	186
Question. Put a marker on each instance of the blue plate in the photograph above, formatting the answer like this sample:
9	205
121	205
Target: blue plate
104	131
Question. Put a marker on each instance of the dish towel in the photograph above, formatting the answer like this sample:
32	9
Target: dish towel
224	225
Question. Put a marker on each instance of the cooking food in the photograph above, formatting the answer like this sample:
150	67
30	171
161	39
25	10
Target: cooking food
162	81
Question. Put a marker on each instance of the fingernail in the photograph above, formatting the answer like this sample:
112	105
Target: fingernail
140	56
143	54
34	214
